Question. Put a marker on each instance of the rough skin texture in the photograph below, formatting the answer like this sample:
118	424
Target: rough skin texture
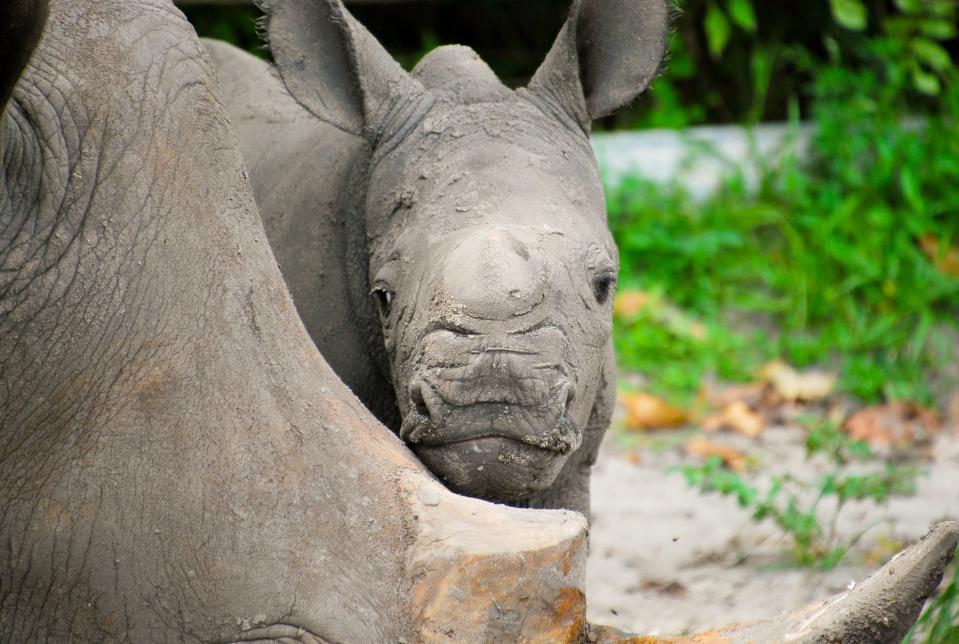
177	461
444	237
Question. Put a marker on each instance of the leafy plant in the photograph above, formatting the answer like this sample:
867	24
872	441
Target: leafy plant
794	505
940	621
823	262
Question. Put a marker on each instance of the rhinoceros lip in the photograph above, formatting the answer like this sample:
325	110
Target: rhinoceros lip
562	439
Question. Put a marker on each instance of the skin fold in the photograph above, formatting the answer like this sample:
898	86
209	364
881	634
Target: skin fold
444	237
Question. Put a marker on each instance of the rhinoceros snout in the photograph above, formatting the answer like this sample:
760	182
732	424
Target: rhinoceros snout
491	415
450	406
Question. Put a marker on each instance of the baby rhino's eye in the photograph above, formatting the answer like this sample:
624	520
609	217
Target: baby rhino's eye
603	285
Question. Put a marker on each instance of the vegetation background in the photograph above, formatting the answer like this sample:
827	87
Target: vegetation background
828	288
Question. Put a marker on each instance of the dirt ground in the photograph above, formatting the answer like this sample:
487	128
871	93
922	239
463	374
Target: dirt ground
666	560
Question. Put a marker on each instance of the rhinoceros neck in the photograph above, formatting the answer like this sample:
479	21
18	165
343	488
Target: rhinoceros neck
309	178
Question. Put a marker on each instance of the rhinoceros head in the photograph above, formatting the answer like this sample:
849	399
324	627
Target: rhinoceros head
489	263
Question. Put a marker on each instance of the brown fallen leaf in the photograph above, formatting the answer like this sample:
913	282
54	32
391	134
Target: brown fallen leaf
793	385
634	457
947	262
751	393
702	447
738	417
897	424
644	411
885	547
629	303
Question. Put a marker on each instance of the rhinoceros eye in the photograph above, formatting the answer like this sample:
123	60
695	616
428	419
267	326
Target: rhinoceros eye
603	285
384	296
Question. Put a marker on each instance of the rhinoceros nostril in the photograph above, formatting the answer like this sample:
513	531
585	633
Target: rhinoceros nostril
570	396
419	402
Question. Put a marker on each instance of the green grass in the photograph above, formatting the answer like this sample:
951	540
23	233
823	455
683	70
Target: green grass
793	504
821	264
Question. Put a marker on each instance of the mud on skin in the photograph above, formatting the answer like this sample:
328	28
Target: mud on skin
445	237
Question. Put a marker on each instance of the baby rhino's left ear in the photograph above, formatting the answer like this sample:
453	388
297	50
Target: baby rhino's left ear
606	54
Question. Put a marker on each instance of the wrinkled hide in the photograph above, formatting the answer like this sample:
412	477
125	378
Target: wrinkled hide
445	236
177	462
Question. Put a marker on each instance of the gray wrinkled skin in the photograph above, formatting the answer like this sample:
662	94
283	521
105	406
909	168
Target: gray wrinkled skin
444	237
177	463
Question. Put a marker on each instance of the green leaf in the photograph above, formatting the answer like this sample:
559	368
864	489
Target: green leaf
910	189
938	29
850	14
925	82
909	6
717	29
741	11
931	53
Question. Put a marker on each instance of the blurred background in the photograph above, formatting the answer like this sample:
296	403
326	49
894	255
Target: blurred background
785	199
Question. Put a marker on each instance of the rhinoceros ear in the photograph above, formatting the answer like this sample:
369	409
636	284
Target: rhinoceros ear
332	65
606	54
21	22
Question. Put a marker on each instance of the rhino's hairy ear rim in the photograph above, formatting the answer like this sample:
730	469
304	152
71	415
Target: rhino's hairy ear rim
21	23
606	54
333	66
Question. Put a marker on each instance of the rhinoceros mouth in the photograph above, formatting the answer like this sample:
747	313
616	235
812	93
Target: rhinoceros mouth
418	430
274	632
435	419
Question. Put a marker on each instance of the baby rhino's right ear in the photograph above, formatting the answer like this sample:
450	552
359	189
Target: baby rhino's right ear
333	66
21	22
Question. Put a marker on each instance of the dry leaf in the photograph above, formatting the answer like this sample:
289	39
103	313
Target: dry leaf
703	448
898	424
738	417
628	303
885	548
796	385
644	411
634	457
947	263
750	393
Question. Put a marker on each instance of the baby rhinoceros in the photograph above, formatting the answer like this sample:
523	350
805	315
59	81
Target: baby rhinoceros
444	237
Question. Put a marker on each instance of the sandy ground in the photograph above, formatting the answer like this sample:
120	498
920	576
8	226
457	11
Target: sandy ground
666	560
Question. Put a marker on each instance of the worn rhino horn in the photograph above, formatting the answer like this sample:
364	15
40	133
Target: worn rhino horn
879	610
332	65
